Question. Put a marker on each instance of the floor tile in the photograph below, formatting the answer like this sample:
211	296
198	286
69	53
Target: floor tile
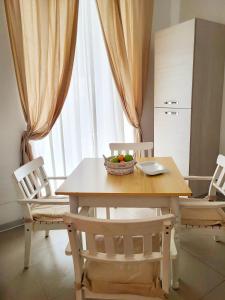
206	249
196	278
218	293
24	285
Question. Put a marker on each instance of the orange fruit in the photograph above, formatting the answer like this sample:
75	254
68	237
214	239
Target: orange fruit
120	157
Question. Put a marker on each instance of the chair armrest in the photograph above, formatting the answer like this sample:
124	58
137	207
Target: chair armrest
44	201
202	204
207	178
57	178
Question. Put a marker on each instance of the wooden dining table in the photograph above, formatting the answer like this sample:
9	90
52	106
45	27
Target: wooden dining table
89	185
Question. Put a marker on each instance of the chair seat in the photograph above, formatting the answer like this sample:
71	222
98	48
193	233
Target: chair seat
138	278
202	216
52	213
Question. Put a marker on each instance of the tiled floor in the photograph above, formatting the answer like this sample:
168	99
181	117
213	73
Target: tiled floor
50	276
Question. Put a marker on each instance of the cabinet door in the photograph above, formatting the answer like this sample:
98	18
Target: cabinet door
174	52
172	135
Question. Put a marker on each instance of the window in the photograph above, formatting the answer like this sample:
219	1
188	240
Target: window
92	115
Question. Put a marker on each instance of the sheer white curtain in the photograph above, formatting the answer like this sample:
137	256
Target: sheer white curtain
92	116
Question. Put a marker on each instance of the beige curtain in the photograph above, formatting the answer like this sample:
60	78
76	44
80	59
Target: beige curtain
43	38
126	26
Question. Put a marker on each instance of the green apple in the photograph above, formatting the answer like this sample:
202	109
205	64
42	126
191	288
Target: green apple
128	157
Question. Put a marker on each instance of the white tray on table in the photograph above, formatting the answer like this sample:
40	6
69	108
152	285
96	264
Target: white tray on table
152	168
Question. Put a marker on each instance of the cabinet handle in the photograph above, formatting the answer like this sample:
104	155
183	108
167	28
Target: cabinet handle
171	113
171	102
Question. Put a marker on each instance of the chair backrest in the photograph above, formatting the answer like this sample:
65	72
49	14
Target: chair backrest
32	179
109	230
218	180
144	149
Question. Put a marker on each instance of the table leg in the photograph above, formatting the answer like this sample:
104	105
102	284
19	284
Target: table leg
175	263
74	204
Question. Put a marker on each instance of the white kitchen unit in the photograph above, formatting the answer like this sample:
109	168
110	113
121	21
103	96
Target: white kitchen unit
188	88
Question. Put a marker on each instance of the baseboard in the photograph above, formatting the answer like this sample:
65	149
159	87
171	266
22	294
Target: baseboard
11	225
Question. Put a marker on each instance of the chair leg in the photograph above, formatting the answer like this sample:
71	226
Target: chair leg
216	238
46	234
175	273
108	213
94	212
28	232
164	210
158	212
79	294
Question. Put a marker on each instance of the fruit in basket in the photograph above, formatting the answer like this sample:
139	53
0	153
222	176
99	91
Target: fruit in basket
128	157
115	159
121	157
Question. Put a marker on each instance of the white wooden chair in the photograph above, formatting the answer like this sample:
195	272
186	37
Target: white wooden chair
42	210
144	149
206	215
116	259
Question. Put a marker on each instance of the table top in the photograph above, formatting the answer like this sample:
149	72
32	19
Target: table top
91	178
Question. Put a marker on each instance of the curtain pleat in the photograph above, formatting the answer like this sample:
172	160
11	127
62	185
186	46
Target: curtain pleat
126	25
43	38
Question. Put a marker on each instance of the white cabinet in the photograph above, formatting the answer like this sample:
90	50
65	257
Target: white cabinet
173	137
174	51
188	90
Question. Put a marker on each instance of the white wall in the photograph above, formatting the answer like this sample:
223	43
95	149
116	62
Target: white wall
212	10
11	127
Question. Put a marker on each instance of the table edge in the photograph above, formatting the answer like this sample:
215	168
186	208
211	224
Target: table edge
124	194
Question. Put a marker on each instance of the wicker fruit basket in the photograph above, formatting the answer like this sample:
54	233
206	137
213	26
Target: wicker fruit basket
119	168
